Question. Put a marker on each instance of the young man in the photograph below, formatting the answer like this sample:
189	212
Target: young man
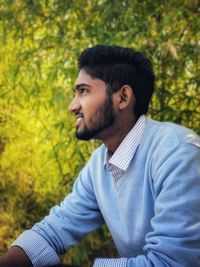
143	182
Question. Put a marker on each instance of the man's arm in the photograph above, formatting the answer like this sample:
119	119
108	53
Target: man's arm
15	257
66	224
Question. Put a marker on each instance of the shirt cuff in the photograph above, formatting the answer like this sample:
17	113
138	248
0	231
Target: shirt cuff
37	249
101	262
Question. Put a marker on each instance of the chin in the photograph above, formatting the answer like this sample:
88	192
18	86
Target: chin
82	136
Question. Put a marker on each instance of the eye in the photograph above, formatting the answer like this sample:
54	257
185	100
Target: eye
83	91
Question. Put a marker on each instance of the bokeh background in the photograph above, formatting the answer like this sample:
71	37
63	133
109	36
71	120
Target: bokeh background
39	44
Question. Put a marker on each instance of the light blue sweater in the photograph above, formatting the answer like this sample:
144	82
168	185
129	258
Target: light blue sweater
152	211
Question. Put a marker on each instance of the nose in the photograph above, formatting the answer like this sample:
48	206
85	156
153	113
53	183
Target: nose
74	105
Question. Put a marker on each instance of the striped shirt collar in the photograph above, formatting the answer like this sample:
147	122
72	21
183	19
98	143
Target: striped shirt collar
120	160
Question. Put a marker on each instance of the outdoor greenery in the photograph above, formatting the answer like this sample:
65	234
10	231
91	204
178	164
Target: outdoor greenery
39	44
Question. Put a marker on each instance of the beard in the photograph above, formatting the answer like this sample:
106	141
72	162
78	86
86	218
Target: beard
102	118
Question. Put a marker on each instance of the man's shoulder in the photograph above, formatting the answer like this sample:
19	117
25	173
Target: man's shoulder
172	132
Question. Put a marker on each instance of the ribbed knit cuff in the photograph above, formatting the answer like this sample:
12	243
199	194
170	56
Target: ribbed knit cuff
37	249
101	262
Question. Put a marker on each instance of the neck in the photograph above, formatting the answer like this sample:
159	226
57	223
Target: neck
113	137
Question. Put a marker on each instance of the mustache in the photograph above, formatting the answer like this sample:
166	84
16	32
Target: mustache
78	114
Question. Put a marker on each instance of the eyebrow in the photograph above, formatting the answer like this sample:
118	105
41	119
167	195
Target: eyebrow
78	86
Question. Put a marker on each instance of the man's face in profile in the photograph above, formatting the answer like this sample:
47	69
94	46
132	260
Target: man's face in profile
92	106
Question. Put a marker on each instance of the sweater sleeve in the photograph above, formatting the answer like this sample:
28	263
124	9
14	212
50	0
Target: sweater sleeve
175	237
65	225
75	217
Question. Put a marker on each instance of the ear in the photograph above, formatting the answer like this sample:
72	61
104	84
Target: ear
126	97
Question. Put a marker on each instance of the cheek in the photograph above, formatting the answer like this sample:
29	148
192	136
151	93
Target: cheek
93	114
91	106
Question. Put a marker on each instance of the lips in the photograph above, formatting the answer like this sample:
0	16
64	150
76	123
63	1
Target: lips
79	118
78	122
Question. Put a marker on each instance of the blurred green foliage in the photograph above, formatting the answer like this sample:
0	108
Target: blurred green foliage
39	44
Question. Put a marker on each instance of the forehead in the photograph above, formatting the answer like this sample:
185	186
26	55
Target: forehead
87	79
